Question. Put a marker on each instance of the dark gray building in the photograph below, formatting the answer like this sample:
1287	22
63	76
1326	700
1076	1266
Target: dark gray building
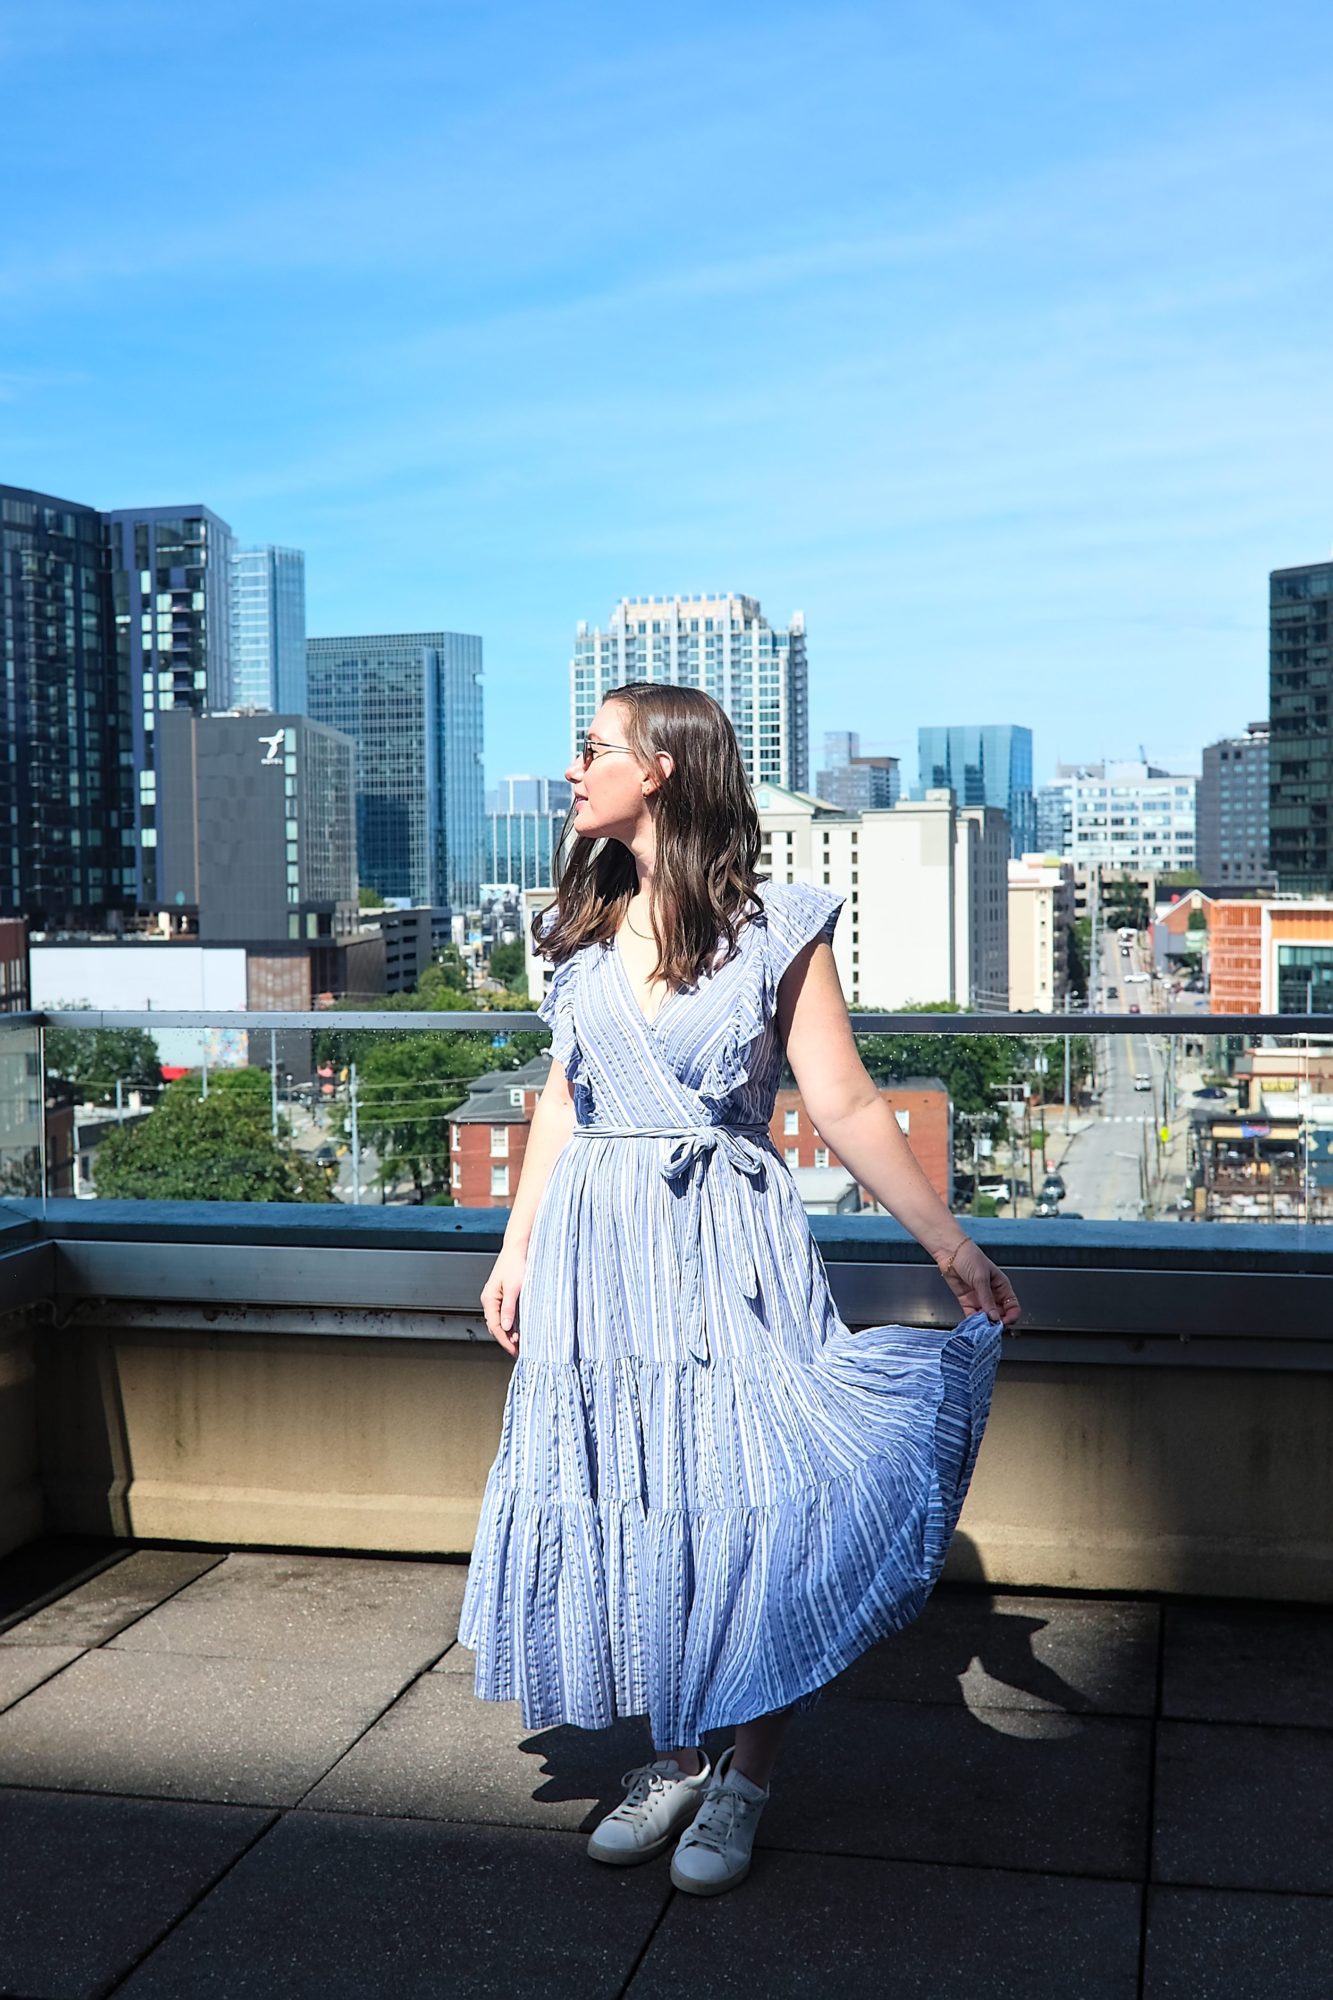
66	784
1300	756
852	782
256	825
412	704
170	580
1231	806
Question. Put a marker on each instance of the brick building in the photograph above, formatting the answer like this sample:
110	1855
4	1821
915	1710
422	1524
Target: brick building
488	1133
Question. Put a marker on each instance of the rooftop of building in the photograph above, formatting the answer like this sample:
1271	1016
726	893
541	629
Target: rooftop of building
230	1771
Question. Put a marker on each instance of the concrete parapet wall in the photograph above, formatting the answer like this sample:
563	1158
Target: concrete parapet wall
1106	1477
20	1486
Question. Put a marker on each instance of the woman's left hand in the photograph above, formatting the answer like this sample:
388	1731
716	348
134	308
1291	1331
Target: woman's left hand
979	1285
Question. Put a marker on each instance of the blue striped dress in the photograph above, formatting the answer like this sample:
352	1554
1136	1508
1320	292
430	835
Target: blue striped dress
709	1496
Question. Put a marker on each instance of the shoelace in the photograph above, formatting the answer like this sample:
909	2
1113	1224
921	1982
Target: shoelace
715	1822
646	1782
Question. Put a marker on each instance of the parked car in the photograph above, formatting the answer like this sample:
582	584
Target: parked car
1210	1090
1113	992
1134	1007
1052	1188
1045	1211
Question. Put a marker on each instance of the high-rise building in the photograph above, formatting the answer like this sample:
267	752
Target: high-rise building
724	645
66	780
1231	810
525	817
983	765
852	782
1126	815
268	630
1041	922
1300	769
170	578
257	826
1053	829
412	704
927	914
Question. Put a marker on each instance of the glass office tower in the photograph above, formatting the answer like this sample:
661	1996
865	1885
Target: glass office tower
412	704
66	783
985	765
268	630
725	645
170	579
526	817
1300	749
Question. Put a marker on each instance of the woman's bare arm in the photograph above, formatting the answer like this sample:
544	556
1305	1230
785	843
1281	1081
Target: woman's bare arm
849	1112
548	1134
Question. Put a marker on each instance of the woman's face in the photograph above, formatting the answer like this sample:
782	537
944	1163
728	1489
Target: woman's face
611	787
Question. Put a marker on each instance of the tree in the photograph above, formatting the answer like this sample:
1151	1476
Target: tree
973	1068
1078	952
214	1148
369	899
1125	902
93	1060
507	963
406	1087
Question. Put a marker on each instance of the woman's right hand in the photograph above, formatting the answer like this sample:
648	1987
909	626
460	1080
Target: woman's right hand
499	1298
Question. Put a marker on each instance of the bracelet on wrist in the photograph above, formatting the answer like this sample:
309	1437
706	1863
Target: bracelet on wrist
948	1265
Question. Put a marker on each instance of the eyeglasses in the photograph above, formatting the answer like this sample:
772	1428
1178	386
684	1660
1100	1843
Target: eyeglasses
590	748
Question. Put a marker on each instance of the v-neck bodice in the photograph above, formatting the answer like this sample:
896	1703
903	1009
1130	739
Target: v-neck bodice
711	1053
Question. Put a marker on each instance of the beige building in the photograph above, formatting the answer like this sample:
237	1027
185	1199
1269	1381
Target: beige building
1041	916
926	916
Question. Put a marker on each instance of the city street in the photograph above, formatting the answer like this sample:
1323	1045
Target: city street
1114	1163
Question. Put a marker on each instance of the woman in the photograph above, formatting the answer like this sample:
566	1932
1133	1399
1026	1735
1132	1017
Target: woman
710	1496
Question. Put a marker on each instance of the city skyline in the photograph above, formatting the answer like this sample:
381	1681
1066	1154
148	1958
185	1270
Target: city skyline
1029	326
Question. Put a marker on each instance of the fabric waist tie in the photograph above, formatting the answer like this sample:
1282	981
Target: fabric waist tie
686	1164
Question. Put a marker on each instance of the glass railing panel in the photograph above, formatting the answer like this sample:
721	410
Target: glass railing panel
22	1128
1015	1118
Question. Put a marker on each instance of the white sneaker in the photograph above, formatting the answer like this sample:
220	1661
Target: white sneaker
714	1852
659	1800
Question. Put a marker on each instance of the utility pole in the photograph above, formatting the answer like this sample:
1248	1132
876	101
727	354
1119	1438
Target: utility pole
273	1080
1067	1065
356	1137
120	1102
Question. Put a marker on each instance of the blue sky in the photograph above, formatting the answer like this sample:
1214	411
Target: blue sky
994	338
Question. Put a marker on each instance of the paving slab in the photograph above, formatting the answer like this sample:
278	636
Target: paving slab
96	1610
1244	1808
23	1668
327	1907
459	1659
1249	1663
362	1611
1082	1655
91	1884
51	1564
249	1732
999	1789
803	1925
439	1753
1224	1944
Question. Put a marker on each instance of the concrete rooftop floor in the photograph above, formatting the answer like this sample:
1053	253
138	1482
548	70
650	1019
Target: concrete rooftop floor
264	1773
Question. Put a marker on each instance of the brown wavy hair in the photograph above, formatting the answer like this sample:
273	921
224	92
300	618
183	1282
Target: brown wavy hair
708	837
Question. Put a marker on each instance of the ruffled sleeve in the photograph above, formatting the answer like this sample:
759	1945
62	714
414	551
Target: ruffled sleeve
557	1010
797	913
793	914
